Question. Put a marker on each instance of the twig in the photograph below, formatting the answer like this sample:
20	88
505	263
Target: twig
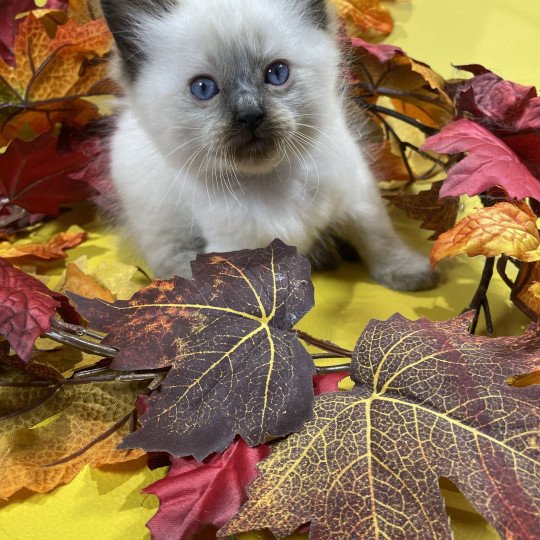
324	345
333	369
80	343
427	130
480	300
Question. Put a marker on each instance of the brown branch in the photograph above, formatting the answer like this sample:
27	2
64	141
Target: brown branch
324	345
480	300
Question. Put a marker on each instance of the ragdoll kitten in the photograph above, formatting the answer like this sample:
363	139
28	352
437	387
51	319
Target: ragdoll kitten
233	132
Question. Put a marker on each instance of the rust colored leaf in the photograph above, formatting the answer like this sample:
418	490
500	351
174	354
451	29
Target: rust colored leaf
430	401
236	367
504	228
52	76
36	176
84	285
53	249
383	70
26	307
89	422
388	167
368	17
526	290
437	214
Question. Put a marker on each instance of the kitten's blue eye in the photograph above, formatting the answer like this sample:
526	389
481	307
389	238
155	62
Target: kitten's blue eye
204	88
277	74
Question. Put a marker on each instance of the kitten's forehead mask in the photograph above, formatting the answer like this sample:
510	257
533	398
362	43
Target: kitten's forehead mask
127	20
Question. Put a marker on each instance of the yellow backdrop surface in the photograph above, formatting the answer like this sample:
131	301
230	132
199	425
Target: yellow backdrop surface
107	504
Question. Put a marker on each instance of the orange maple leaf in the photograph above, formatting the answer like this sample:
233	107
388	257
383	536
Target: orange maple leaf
367	16
52	76
505	228
85	285
53	249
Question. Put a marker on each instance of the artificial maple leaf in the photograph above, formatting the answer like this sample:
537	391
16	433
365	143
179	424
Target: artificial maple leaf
52	249
384	70
387	167
366	16
430	401
194	494
9	23
236	367
89	422
490	162
504	228
83	11
526	289
26	307
84	285
437	214
51	77
509	110
33	175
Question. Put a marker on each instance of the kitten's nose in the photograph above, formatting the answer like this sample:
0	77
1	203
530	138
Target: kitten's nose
251	118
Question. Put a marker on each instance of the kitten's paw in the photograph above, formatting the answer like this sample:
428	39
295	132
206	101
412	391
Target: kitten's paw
410	272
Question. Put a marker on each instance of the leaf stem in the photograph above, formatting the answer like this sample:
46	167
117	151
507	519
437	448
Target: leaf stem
480	300
105	435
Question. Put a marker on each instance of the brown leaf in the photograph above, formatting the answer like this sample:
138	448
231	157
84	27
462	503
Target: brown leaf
383	70
236	369
504	228
437	215
525	289
85	285
430	401
51	76
53	249
87	423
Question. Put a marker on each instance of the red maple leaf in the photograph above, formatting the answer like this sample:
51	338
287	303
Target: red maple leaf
194	493
26	308
509	110
490	162
36	177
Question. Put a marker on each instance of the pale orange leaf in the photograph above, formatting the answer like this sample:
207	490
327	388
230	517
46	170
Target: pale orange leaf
505	228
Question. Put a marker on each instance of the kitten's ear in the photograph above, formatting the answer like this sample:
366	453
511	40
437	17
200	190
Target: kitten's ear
123	18
319	13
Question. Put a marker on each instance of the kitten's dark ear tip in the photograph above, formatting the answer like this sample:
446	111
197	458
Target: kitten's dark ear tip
319	13
121	16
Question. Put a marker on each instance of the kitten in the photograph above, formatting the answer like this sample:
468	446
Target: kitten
233	132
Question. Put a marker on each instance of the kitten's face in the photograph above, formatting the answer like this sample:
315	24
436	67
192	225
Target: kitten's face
234	84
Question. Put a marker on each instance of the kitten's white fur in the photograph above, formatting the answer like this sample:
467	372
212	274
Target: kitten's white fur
171	194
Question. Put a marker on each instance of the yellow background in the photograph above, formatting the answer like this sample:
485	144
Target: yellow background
501	34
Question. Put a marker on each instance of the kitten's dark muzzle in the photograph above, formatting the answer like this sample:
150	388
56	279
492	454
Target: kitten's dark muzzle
251	119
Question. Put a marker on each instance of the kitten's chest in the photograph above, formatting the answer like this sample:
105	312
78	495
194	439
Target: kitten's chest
293	213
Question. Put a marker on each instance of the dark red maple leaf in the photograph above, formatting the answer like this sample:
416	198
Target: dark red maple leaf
26	308
236	369
34	176
489	163
509	110
9	24
208	493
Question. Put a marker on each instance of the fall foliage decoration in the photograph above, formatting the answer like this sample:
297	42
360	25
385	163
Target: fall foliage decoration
235	400
52	76
228	346
430	400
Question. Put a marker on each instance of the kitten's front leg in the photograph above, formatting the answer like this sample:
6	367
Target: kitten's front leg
390	261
